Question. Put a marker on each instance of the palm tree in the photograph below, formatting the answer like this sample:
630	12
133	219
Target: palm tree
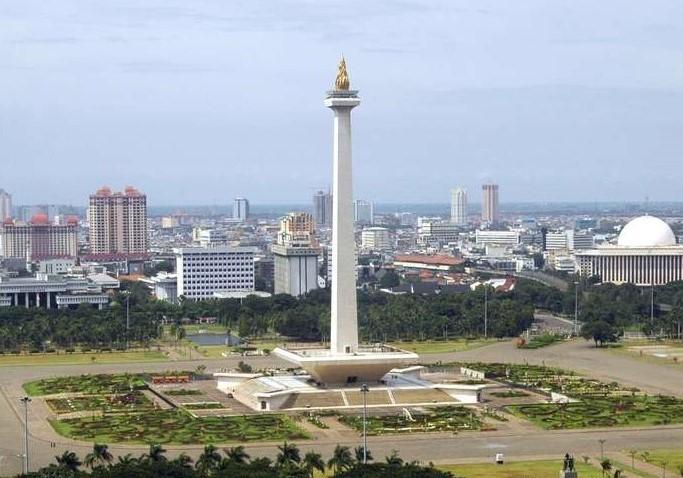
68	460
394	459
99	456
237	454
664	464
313	461
183	460
341	459
288	454
358	451
208	461
128	459
156	454
632	454
606	466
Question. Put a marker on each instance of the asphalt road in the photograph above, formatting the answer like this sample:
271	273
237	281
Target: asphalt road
440	448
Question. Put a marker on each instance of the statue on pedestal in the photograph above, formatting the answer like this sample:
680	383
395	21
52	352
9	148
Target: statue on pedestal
568	470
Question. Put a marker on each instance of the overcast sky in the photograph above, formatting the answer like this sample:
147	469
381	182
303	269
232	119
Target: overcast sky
195	102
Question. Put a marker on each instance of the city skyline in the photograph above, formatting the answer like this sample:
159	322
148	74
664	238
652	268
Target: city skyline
516	95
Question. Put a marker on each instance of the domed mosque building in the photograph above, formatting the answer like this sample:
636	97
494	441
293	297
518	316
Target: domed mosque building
646	253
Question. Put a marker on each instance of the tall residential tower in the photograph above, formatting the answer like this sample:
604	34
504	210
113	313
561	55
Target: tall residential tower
490	213
5	205
118	222
459	207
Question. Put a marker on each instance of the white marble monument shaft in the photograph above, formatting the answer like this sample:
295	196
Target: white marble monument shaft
344	325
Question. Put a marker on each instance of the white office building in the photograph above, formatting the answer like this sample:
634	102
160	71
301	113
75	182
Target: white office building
436	231
510	238
459	207
203	271
209	237
375	239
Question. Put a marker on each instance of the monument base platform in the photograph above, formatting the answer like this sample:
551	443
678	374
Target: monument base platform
366	365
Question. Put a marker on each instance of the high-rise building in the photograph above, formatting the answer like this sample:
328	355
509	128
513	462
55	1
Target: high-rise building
118	222
5	205
459	207
240	209
38	239
322	209
490	213
296	255
363	211
205	271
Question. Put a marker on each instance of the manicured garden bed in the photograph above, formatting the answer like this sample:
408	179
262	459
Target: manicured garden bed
202	405
182	392
106	403
435	420
614	410
89	384
178	427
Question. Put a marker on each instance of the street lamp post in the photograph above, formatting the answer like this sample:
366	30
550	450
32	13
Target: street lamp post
576	308
26	401
486	312
364	390
127	320
602	448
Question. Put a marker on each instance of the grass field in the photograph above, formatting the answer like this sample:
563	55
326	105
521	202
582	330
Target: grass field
674	458
82	358
521	469
439	347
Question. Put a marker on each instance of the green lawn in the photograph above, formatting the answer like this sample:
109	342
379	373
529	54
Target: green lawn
443	346
200	328
82	358
178	427
520	469
674	457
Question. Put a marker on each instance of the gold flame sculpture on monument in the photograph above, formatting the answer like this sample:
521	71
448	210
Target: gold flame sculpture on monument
342	82
345	361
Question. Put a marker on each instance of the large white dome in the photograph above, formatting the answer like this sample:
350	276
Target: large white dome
646	231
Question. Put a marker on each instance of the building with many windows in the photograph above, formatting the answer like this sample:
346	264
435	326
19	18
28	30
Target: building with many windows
322	209
51	292
375	239
363	212
240	209
490	212
459	207
646	253
5	205
508	238
296	255
38	239
202	271
118	222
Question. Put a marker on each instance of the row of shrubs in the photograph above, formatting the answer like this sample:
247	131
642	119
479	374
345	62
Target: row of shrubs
51	350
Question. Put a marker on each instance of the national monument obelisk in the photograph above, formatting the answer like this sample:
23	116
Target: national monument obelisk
345	362
344	325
